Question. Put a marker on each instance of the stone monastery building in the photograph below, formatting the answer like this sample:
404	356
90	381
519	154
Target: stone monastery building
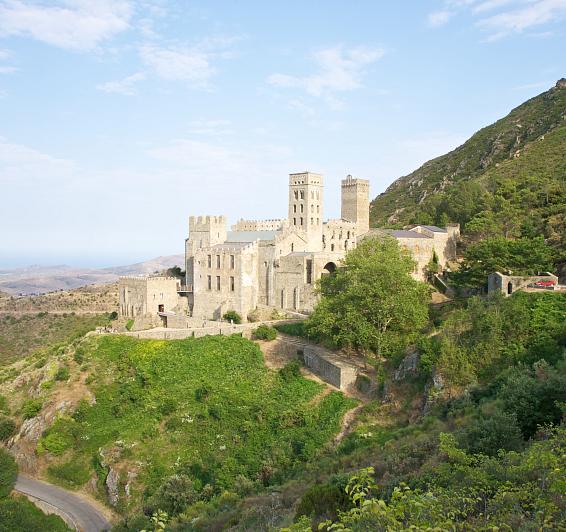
272	263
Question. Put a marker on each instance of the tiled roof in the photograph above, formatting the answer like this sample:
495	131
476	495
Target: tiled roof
401	233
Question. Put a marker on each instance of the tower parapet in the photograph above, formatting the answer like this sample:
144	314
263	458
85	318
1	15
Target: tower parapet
355	202
306	206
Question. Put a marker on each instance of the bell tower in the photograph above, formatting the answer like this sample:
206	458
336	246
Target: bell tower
355	202
305	206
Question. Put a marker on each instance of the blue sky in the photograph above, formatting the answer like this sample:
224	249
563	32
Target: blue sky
119	119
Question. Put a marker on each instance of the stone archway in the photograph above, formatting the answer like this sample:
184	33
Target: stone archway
330	267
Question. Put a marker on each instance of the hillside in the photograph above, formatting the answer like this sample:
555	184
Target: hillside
508	178
43	279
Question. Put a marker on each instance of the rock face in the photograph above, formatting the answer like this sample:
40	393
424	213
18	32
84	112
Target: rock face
112	486
409	366
432	390
561	83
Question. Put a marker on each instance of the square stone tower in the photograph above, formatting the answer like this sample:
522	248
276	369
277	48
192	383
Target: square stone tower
305	206
355	202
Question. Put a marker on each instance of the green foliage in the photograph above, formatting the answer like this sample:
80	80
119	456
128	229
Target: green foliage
71	474
324	501
113	315
372	304
524	256
41	333
7	428
265	332
293	329
4	407
31	408
63	373
129	325
17	514
291	370
173	496
223	415
8	473
233	317
505	180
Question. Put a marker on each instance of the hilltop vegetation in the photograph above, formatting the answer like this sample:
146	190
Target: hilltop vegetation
204	416
508	179
24	334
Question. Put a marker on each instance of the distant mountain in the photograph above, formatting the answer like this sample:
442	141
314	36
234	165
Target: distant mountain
509	178
42	279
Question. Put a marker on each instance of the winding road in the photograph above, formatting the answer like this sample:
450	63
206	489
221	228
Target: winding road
84	516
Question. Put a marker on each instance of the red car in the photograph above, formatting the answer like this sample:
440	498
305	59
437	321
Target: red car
544	283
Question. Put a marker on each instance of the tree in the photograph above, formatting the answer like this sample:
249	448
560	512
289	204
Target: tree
8	473
371	304
524	256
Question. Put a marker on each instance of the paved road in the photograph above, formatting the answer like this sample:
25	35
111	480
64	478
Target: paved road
85	517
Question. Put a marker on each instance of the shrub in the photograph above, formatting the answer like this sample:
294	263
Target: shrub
129	325
8	473
201	394
113	315
290	371
4	405
56	443
323	501
265	332
17	513
173	496
41	362
72	474
7	428
62	374
233	316
31	408
293	329
168	406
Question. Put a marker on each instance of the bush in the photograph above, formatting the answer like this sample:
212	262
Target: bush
4	405
233	316
19	514
265	332
113	315
173	496
8	473
62	374
7	428
31	408
129	325
290	371
293	329
168	406
322	502
71	474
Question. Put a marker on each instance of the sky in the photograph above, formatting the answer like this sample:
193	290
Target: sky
120	118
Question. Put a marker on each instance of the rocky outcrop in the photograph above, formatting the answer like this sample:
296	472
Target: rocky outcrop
112	486
409	366
432	391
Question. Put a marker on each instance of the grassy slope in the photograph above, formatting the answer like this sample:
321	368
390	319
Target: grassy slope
408	198
149	418
23	335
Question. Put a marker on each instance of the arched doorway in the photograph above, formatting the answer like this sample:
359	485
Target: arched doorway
330	267
509	288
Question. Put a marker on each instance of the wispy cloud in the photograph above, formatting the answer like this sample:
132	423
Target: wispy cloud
338	69
439	18
72	24
125	86
501	18
212	128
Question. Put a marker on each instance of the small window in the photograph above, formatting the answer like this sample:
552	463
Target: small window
301	220
218	282
294	208
292	247
302	208
210	261
294	221
209	278
218	261
232	262
331	247
296	194
317	209
302	194
232	284
312	221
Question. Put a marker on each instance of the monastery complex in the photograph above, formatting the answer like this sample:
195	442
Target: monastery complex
272	264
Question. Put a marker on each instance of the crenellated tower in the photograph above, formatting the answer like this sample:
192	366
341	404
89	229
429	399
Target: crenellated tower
305	206
355	202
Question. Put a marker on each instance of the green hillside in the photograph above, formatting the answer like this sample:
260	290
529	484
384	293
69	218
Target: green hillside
508	179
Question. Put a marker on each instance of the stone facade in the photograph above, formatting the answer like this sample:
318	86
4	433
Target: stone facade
509	284
273	263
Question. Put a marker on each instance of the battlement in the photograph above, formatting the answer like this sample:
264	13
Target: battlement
305	178
355	182
260	225
203	223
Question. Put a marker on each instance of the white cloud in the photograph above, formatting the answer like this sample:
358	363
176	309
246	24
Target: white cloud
7	69
214	128
338	69
501	18
4	54
439	18
70	24
22	164
124	86
525	16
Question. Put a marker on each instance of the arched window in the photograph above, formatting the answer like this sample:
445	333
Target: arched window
296	194
294	208
292	247
302	194
312	221
331	247
294	221
509	288
302	208
301	220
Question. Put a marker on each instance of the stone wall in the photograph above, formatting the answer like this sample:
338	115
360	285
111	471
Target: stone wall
355	202
330	367
139	296
508	284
